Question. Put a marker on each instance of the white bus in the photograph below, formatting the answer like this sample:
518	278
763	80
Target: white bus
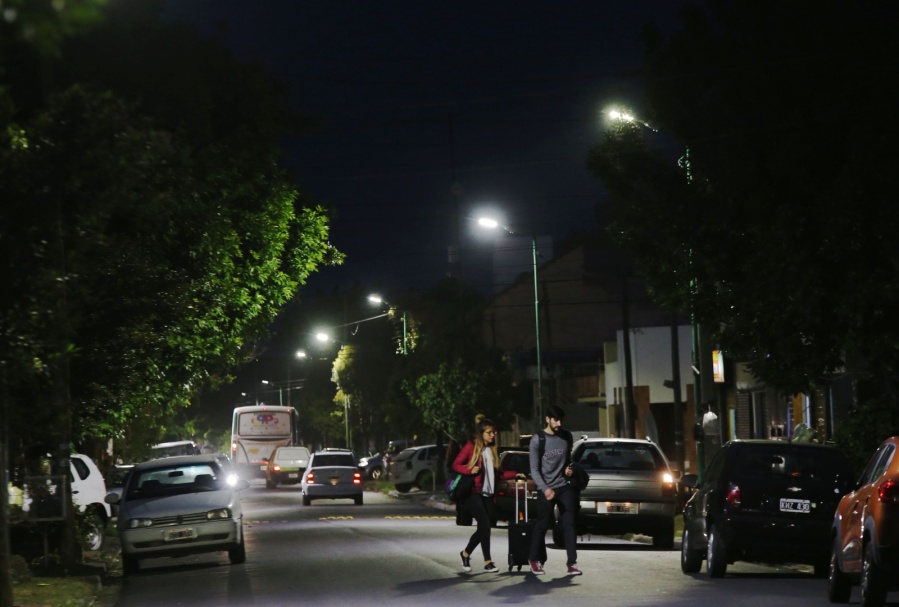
255	432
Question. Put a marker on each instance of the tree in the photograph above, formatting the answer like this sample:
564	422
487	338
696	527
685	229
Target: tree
782	224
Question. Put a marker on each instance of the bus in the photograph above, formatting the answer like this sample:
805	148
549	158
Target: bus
255	432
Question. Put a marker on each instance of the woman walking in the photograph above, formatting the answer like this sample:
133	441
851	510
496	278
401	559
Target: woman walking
479	458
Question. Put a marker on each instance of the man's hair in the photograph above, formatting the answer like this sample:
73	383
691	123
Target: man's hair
555	412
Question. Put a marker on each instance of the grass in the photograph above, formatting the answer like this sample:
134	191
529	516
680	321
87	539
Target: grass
54	592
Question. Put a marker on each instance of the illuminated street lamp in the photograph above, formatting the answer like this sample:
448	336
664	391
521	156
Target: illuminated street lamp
684	162
492	224
379	300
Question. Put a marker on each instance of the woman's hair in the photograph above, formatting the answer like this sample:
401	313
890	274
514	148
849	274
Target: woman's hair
482	424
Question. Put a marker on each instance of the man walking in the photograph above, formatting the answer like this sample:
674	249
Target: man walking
550	455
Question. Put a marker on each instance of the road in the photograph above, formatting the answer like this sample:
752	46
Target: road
400	552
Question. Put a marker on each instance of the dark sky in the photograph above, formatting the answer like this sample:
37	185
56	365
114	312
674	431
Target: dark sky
502	98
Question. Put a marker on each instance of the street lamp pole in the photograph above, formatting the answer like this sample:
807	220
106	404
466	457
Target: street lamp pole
537	331
379	300
493	224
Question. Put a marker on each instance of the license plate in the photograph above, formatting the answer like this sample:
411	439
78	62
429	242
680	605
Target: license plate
795	505
293	475
263	467
617	508
334	480
187	533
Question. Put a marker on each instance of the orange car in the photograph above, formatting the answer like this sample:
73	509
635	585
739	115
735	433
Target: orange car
866	532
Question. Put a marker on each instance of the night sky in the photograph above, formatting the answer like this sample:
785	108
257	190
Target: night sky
432	110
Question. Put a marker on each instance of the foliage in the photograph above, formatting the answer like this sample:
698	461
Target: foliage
784	222
171	259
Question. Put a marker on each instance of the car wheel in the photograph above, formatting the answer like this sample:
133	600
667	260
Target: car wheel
403	487
874	588
358	499
94	532
424	480
129	565
690	558
307	501
238	554
839	586
716	561
664	538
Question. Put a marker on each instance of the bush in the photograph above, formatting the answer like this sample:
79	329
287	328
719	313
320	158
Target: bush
18	569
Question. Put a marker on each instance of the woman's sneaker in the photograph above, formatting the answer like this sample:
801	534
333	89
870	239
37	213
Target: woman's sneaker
466	561
573	570
491	567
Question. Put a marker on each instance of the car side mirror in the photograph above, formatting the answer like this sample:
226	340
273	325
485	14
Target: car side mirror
112	498
689	480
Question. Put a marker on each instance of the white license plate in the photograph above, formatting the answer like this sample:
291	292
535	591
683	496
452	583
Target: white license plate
795	505
263	467
293	475
187	533
617	508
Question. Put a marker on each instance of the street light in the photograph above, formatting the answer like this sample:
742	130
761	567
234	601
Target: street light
379	300
492	224
684	162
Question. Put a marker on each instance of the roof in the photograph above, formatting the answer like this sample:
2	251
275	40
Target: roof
178	460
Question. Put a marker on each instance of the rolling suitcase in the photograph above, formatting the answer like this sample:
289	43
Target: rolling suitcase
521	533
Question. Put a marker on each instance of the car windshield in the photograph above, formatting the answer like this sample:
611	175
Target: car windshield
168	480
333	459
771	461
620	456
290	454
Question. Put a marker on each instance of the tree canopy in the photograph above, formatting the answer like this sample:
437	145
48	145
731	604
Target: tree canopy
144	253
776	225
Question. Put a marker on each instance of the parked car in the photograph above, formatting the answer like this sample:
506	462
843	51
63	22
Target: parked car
519	462
88	495
174	448
394	448
332	474
177	506
286	466
764	500
866	532
373	466
631	489
414	466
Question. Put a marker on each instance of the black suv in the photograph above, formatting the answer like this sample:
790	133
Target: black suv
764	501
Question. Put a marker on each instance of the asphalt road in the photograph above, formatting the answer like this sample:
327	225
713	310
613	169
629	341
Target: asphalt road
397	552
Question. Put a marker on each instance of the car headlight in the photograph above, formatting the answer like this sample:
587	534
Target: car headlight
231	480
218	513
137	523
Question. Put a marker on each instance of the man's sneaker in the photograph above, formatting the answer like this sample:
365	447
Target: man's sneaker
491	567
536	567
466	561
573	570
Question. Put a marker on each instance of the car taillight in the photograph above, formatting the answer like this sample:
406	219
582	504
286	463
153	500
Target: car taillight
276	468
233	447
668	488
357	478
733	496
888	492
310	477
